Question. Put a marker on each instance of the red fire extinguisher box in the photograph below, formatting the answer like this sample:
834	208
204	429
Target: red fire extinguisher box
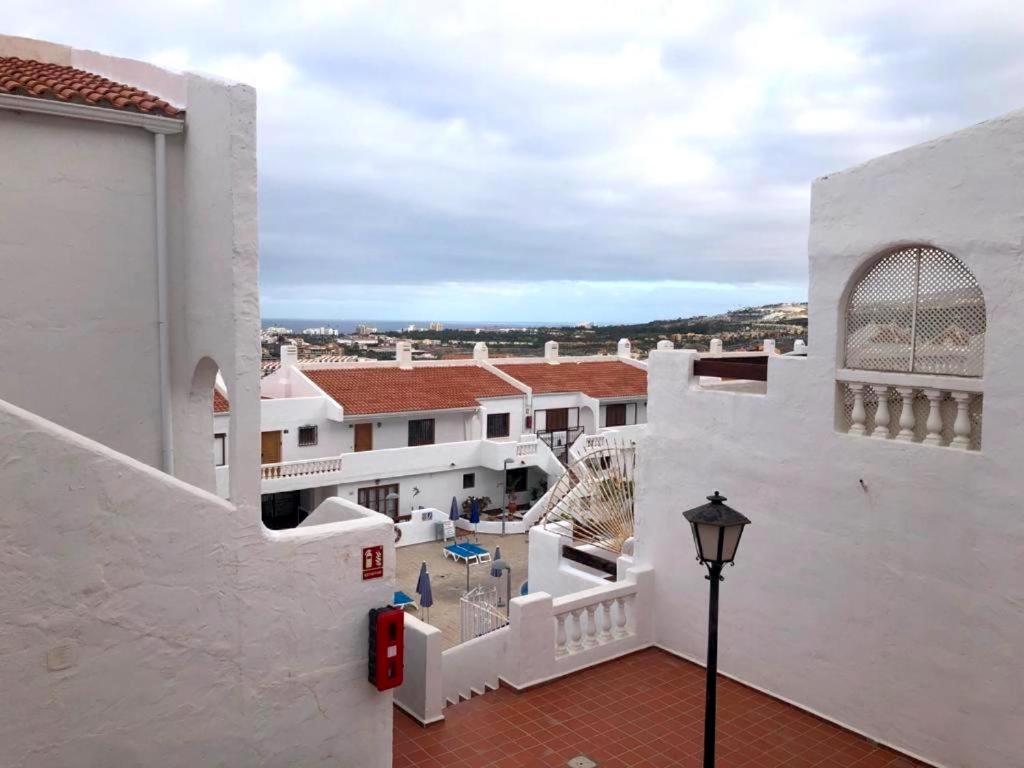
387	647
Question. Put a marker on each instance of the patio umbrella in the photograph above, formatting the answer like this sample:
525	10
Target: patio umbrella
454	514
424	591
495	571
474	516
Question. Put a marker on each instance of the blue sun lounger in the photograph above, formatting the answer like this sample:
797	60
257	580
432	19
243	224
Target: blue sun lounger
461	553
402	600
482	555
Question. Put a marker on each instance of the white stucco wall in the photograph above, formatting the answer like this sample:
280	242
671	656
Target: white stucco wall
436	489
550	573
892	607
77	307
149	623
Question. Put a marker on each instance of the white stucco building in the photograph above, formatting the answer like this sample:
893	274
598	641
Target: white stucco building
145	621
881	582
398	436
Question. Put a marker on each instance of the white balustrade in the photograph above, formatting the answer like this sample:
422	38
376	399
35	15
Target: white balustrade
301	468
948	415
593	624
526	449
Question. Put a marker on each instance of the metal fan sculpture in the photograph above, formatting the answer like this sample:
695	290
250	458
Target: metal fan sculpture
593	501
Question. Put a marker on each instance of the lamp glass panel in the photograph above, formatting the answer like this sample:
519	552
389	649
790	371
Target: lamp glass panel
730	540
708	536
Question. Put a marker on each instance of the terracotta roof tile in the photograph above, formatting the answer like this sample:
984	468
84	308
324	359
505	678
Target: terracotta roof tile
393	390
220	403
24	77
597	379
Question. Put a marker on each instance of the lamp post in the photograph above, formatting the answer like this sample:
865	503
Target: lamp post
717	529
497	567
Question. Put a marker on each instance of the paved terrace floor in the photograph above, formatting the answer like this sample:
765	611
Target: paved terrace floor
642	711
448	578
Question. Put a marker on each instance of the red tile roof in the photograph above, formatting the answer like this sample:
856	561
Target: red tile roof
602	378
220	403
393	390
24	77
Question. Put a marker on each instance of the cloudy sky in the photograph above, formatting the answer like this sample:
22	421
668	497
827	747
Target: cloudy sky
559	160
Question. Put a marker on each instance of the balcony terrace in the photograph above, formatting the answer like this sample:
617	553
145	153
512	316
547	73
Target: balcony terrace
397	462
644	710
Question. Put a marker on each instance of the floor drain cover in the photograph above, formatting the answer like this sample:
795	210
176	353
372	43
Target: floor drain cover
581	761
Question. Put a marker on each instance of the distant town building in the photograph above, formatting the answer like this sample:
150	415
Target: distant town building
365	330
321	331
435	326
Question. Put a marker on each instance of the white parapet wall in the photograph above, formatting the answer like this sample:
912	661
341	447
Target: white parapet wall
545	638
421	693
170	626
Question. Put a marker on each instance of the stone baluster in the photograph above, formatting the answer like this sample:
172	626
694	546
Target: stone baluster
577	631
907	421
606	621
859	416
560	644
962	425
882	412
620	617
591	638
934	423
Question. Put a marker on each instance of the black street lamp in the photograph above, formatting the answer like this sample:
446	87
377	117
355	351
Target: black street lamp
717	529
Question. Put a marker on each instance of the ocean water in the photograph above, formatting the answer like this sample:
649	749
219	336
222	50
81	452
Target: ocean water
348	326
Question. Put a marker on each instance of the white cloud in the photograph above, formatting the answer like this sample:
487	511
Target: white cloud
459	146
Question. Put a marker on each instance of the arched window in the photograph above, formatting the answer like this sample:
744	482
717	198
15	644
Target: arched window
917	310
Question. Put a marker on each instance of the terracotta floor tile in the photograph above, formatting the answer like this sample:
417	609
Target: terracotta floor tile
645	710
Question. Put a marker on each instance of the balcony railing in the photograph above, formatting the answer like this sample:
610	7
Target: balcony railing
941	411
593	618
304	468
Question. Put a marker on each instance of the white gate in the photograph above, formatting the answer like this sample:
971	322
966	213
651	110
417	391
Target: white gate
479	613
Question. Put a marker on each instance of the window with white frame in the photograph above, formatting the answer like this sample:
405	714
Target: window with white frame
220	450
917	310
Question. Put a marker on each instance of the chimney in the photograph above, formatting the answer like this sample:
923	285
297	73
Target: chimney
289	355
716	346
768	347
551	351
403	354
624	349
666	344
480	350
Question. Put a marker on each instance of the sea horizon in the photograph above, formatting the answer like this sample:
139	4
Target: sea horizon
349	325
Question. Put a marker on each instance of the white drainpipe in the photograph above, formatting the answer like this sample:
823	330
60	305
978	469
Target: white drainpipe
160	180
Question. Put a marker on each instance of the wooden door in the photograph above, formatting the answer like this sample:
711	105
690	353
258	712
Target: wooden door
364	437
615	415
556	419
270	447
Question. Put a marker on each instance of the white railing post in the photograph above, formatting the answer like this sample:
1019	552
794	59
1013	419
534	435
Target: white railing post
591	638
962	424
907	421
934	423
621	619
561	648
882	412
859	416
577	630
606	620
